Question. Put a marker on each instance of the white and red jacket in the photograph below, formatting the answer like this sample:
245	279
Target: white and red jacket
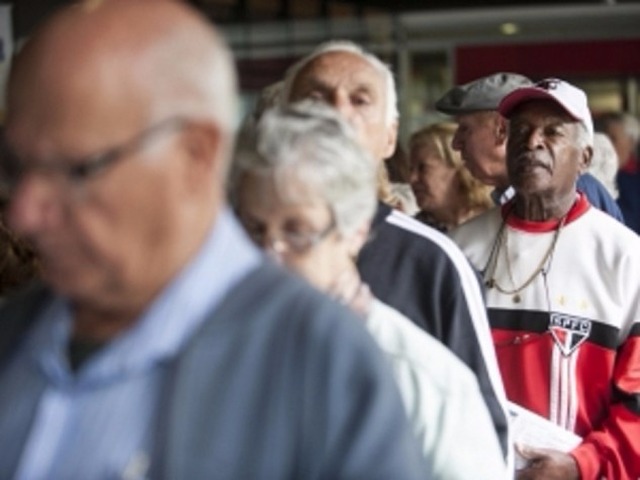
568	344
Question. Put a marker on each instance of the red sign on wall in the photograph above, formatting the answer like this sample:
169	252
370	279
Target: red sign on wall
571	59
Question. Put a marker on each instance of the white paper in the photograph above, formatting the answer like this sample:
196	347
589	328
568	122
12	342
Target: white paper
533	430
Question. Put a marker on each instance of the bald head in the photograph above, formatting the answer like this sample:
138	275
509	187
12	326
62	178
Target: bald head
149	60
120	119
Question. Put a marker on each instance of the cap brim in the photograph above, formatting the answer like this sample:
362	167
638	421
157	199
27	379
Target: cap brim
510	102
444	106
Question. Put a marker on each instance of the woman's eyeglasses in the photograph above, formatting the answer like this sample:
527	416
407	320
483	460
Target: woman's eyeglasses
289	241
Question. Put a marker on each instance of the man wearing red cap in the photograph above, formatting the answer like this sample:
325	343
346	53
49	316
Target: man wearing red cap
481	137
563	286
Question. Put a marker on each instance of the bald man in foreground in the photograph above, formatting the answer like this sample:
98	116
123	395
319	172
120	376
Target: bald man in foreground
161	344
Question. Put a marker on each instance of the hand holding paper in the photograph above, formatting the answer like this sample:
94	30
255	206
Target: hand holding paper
546	464
532	432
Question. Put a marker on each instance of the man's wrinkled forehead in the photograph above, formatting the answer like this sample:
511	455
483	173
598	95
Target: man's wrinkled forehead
479	119
334	68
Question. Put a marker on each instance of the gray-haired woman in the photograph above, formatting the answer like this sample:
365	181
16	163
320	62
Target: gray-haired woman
306	192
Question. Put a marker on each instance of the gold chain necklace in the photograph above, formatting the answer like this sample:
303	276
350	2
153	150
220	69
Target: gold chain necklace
492	263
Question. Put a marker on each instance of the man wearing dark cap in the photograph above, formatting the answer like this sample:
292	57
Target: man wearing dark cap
482	132
563	286
482	136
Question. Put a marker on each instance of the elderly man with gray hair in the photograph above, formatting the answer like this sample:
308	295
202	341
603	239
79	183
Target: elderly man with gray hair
412	267
563	289
305	191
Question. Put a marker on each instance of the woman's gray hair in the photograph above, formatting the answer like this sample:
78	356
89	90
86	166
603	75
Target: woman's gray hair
604	163
391	110
309	142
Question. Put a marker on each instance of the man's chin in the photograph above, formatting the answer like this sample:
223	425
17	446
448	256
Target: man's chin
533	185
483	177
475	172
66	282
422	200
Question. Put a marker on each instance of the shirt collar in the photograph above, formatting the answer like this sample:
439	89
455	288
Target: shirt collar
226	256
579	207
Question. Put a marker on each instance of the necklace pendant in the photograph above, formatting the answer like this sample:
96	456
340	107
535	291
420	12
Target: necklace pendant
516	298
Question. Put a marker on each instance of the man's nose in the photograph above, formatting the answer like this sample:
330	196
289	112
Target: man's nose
32	205
276	250
342	103
535	138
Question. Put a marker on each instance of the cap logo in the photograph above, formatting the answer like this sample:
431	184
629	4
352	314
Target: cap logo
549	84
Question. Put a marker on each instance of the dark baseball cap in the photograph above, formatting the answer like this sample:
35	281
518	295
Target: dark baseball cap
482	94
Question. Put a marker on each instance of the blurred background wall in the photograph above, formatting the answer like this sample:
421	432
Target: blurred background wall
431	44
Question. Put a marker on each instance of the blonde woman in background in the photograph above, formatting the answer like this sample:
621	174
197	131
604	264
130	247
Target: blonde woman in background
446	192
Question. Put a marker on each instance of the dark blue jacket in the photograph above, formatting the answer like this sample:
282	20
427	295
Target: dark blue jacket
629	199
423	274
598	196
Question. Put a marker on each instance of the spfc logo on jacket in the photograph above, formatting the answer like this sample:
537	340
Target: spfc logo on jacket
568	332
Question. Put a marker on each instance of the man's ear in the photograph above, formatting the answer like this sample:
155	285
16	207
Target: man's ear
391	140
202	144
357	239
501	129
585	159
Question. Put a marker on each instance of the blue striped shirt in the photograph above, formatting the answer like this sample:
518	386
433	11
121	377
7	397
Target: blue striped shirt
99	422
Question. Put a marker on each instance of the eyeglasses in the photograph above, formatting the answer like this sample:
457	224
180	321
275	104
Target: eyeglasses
288	241
75	172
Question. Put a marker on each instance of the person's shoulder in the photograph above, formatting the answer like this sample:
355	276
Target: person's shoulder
605	226
589	181
411	227
271	299
468	231
281	287
616	244
414	239
404	342
22	303
598	195
18	312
